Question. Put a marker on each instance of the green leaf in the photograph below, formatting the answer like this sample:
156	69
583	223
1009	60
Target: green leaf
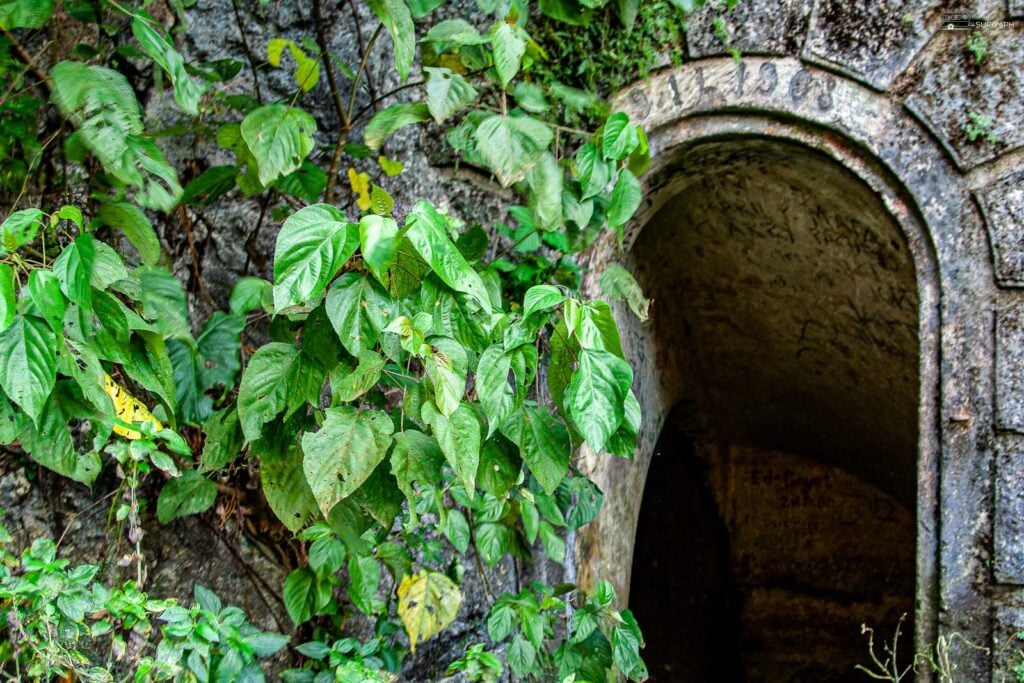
285	487
395	16
307	69
45	295
626	643
417	458
447	92
623	441
131	220
313	245
305	595
459	438
619	284
457	31
224	439
51	445
101	104
388	120
378	239
427	603
625	199
159	47
73	269
163	302
530	97
344	453
499	467
210	185
426	229
619	138
28	364
349	384
509	48
628	11
326	556
596	395
25	13
364	581
594	173
541	298
308	182
7	296
189	494
521	656
545	181
19	229
276	378
447	368
358	309
593	325
250	294
497	395
280	138
543	443
456	530
510	146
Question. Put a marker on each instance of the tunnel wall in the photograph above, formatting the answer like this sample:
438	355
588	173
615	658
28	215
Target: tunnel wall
893	123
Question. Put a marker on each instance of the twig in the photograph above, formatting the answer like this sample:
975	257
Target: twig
248	52
22	54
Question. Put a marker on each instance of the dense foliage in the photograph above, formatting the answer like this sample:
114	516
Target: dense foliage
395	412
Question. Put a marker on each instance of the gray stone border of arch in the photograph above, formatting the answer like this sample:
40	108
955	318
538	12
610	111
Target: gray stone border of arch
883	144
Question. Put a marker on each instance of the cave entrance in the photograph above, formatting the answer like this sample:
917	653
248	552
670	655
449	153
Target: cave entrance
778	514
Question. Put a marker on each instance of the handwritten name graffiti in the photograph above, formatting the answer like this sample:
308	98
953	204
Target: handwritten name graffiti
721	85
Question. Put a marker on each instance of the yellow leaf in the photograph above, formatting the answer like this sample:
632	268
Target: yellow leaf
391	167
127	408
427	603
360	183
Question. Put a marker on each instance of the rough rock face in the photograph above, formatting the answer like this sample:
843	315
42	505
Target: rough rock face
852	302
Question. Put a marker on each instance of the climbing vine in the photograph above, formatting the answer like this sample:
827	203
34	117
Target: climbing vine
416	383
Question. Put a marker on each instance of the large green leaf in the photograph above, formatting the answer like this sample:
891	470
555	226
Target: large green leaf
20	228
543	442
388	120
164	302
459	438
397	19
594	172
620	137
280	138
50	443
416	458
511	145
447	92
189	494
73	269
285	486
277	378
305	595
132	221
497	395
28	363
46	297
24	13
358	309
378	239
101	104
596	395
509	48
457	31
344	452
625	199
426	229
313	245
348	383
161	50
545	181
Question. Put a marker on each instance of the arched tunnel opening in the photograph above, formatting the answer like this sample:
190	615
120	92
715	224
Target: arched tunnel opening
778	514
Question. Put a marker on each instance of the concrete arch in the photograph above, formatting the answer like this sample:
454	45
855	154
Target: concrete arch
889	150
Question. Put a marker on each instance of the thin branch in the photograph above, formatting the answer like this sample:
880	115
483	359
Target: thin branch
23	56
362	68
248	51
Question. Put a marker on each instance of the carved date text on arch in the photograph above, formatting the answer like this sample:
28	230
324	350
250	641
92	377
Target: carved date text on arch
783	84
